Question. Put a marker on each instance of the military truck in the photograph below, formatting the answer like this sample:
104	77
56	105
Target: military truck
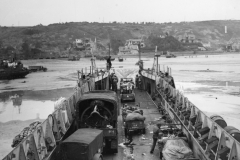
83	144
99	109
37	68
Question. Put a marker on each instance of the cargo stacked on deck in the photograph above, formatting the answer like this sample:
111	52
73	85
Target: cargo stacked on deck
133	119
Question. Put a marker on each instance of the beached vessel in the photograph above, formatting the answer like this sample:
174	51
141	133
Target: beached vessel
15	71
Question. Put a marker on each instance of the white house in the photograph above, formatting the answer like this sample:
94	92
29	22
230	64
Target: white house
207	45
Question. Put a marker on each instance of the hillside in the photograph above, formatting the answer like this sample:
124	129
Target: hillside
58	37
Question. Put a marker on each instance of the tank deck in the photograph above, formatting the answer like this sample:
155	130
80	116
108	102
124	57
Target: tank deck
141	149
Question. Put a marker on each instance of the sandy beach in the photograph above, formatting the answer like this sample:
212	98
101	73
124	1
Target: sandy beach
211	83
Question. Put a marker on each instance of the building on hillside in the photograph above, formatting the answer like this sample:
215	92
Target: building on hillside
135	42
124	50
234	40
131	46
198	41
83	43
207	45
187	38
131	49
236	46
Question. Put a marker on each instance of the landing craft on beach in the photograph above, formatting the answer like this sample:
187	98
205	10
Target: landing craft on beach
12	70
91	108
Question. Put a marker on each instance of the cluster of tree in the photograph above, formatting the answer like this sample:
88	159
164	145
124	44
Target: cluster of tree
6	50
115	44
25	49
169	43
31	31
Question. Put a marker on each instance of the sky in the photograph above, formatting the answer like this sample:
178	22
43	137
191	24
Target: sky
34	12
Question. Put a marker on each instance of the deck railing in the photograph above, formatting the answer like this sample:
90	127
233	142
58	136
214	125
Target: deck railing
208	139
40	144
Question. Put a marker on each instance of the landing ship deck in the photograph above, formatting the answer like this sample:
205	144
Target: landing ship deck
143	142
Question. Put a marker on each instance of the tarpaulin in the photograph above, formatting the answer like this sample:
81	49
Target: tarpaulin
70	102
135	116
48	135
69	113
40	142
60	120
176	149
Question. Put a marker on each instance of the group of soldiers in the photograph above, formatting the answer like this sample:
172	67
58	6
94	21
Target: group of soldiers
167	78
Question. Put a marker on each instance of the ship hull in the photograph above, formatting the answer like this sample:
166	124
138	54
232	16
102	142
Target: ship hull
13	75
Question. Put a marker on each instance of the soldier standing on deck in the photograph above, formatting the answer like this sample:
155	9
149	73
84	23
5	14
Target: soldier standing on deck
156	133
136	81
115	81
156	130
140	83
111	81
109	63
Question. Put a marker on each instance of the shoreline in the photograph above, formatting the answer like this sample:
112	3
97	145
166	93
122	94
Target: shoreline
178	54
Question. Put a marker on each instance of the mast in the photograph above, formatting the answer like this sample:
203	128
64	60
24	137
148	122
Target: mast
109	47
139	50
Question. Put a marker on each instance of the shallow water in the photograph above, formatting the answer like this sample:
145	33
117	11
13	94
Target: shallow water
25	105
29	109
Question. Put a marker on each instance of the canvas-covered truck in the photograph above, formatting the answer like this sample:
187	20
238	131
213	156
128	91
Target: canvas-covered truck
133	119
99	109
83	144
134	122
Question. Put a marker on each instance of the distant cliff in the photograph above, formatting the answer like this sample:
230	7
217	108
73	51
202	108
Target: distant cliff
58	37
